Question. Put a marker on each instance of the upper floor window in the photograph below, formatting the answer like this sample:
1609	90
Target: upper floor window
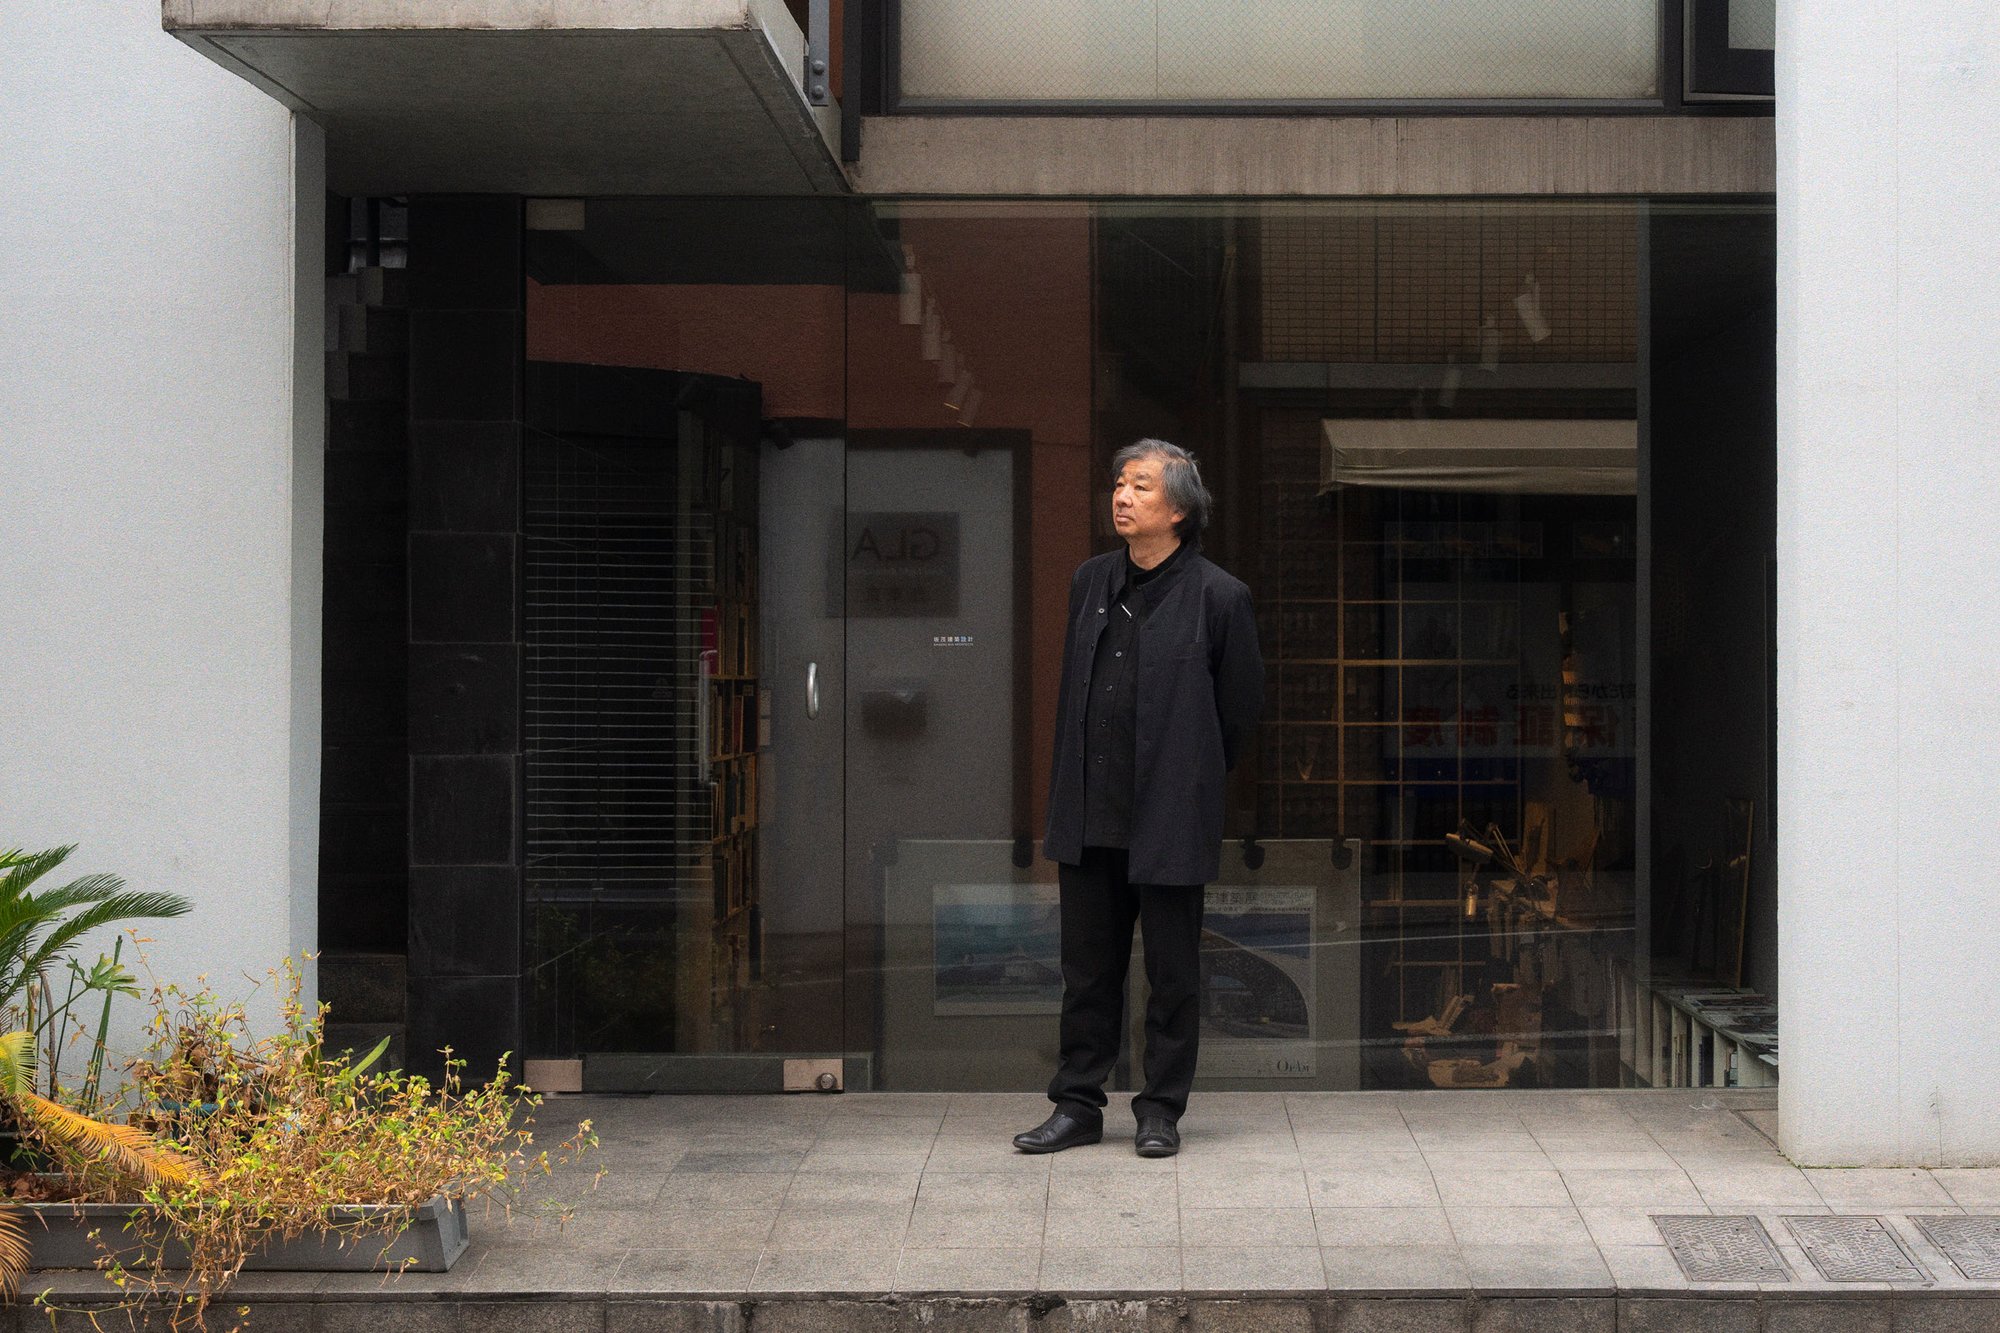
1236	51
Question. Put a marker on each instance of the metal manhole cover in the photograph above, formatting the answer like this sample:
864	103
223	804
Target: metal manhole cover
1855	1249
1723	1249
1971	1243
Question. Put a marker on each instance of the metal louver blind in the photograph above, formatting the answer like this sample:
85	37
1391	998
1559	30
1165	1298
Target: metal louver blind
615	574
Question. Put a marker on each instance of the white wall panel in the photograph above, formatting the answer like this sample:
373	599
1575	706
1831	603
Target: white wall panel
159	681
1889	610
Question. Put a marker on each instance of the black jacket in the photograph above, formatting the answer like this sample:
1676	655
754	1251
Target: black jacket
1200	689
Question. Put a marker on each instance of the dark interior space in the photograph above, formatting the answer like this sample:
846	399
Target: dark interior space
1714	515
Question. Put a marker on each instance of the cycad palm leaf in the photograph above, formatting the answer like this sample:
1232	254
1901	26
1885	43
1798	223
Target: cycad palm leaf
131	1151
14	1253
24	916
118	907
24	868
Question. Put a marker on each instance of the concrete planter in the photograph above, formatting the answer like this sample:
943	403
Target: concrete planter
59	1237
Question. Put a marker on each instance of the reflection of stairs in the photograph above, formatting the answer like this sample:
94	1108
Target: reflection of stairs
364	994
364	774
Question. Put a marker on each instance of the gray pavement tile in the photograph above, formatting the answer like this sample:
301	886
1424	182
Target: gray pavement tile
1612	1159
1104	1225
807	1271
1652	1268
1519	1188
719	1272
1247	1226
1596	1186
1110	1271
984	1188
1415	1268
1315	1144
1401	1186
969	1270
943	1224
840	1226
697	1228
1030	1108
1506	1225
740	1160
1248	1188
1976	1188
1854	1189
1762	1185
900	1105
1629	1224
585	1272
870	1161
622	1188
1383	1226
672	1228
852	1187
995	1156
1114	1158
1201	1153
1536	1267
715	1189
1473	1140
1231	1269
1158	1191
1461	1160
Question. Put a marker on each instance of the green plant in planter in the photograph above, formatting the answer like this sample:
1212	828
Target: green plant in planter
284	1139
39	932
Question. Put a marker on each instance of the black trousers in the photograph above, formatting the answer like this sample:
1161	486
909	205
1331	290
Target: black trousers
1099	907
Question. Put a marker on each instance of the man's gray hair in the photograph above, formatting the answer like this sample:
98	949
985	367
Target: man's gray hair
1179	475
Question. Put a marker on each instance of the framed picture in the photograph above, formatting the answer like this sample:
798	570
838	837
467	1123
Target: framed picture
997	949
1259	992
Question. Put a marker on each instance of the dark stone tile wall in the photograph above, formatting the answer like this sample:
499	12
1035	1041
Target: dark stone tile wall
463	700
364	770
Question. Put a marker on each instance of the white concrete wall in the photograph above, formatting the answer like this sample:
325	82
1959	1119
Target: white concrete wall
1889	581
159	548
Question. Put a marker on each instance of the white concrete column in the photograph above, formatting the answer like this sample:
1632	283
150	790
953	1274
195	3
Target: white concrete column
160	491
1888	814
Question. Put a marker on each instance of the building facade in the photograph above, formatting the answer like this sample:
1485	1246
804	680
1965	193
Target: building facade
582	521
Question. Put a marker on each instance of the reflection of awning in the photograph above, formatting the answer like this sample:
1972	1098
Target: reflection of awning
1515	457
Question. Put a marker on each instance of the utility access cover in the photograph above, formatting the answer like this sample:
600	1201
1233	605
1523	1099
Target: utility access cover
1855	1249
1971	1243
1723	1249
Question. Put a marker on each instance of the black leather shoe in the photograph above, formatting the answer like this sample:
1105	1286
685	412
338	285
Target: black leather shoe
1059	1131
1157	1137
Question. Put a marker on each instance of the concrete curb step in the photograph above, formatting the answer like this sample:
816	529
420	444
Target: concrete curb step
363	1311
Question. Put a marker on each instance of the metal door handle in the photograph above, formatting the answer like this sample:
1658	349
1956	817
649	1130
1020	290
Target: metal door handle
812	689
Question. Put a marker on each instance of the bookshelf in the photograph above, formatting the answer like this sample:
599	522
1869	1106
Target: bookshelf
721	934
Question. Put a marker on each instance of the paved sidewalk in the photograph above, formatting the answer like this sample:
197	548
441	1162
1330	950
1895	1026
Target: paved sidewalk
1452	1202
1417	1192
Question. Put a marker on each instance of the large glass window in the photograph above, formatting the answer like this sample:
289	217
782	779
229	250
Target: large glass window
1498	475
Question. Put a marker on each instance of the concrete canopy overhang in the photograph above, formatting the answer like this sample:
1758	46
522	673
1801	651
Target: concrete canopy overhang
536	96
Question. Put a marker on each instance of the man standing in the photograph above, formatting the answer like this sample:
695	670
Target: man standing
1161	685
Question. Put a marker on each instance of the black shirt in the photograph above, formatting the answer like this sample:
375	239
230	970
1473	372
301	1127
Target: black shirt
1111	715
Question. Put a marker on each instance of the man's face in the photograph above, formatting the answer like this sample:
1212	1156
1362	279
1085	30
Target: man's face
1139	507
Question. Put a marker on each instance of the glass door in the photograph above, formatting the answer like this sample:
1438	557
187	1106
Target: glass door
682	657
